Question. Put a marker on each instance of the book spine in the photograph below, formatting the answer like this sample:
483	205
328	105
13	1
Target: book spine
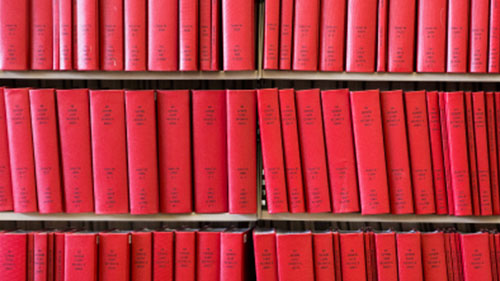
476	256
458	36
370	263
271	34
210	151
494	38
185	256
59	259
163	37
241	111
306	35
497	253
141	151
471	142
266	263
76	151
50	256
313	151
215	48
109	151
324	264
208	251
13	265
114	256
22	164
409	256
401	35
46	149
493	258
233	256
30	257
493	150
336	252
41	35
188	35
65	35
286	34
14	31
433	256
163	256
420	152
55	34
382	23
6	203
111	34
174	147
332	35
295	256
353	257
340	151
386	259
431	37
141	256
291	148
478	47
135	24
40	257
446	153
205	34
398	160
482	151
86	37
80	257
361	35
272	150
369	144
238	27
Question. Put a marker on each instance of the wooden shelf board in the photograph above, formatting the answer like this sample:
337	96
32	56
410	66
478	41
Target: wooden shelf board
131	75
10	216
400	77
380	218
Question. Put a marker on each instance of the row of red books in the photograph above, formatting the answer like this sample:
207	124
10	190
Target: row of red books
116	151
381	35
380	152
130	35
372	256
180	255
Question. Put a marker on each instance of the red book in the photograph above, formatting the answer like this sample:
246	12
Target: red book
382	22
14	31
163	38
291	149
493	257
80	256
174	147
141	152
114	256
449	259
205	34
324	264
434	256
305	35
188	35
340	151
369	143
494	38
6	203
141	256
264	244
22	164
471	142
233	255
163	256
59	259
272	150
479	36
13	260
435	138
86	35
492	147
476	256
353	256
65	30
271	34
457	142
370	260
409	256
312	144
420	152
76	155
50	256
111	34
208	251
242	151
46	148
30	265
482	151
332	35
446	153
460	258
386	259
401	30
398	160
361	35
238	27
336	252
286	33
458	36
497	253
185	255
295	256
41	35
135	26
215	36
431	37
40	256
55	35
109	151
210	151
